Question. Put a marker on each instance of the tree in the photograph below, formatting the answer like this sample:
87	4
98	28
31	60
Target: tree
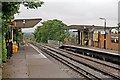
51	30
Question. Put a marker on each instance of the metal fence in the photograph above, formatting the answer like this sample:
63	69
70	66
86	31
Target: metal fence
55	42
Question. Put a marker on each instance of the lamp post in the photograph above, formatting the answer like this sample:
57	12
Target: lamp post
104	31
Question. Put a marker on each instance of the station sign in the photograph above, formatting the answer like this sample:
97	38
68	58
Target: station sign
12	24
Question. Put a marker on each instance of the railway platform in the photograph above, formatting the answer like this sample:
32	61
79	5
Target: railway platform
112	52
29	62
104	54
106	51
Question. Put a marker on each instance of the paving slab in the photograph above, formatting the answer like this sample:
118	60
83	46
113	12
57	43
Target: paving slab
41	67
16	67
30	63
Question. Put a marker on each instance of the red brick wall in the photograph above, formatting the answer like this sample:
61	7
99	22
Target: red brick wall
109	44
101	41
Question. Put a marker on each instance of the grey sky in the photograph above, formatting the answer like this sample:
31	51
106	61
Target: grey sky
70	12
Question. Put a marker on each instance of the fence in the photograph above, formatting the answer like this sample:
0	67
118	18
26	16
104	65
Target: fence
54	42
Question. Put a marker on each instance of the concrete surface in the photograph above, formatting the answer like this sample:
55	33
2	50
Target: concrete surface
16	67
30	63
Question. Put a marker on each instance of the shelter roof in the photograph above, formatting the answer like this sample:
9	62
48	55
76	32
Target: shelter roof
26	23
82	27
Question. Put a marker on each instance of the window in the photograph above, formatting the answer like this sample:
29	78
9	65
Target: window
114	39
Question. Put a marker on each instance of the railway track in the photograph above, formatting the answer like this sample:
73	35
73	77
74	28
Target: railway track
71	60
104	63
72	66
97	54
114	66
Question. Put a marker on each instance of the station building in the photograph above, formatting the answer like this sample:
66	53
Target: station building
94	36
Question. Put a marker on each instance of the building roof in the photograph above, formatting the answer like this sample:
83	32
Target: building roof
82	27
26	23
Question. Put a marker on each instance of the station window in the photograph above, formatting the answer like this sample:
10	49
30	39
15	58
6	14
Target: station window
114	39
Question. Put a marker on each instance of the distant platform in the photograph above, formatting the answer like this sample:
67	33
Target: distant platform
112	52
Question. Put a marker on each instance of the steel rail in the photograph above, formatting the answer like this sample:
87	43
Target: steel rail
93	67
70	65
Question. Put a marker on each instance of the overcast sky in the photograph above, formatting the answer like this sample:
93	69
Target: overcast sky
85	12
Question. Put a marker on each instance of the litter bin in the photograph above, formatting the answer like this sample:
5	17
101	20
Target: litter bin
15	48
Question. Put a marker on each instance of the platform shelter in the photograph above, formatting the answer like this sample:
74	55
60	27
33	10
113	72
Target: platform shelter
89	35
15	30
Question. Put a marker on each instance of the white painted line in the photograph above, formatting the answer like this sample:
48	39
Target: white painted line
37	50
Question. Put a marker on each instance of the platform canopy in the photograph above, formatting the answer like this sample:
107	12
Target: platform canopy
26	23
89	27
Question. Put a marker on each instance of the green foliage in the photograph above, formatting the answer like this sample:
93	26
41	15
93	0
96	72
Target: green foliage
51	30
33	5
0	47
29	36
4	50
19	36
32	37
8	11
0	14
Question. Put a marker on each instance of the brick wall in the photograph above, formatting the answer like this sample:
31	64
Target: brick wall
109	44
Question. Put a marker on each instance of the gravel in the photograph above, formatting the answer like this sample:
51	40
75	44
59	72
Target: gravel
64	68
